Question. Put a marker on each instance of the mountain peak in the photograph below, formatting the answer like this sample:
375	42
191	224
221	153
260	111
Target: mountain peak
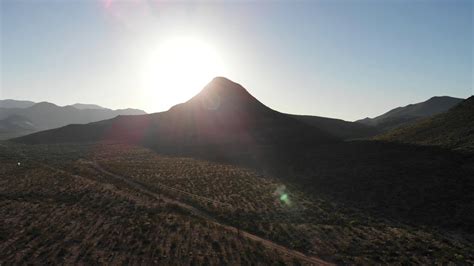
225	87
220	79
222	92
223	113
444	99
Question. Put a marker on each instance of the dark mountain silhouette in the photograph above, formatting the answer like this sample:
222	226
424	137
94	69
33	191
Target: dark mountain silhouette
340	128
46	115
453	129
411	113
9	103
223	114
83	106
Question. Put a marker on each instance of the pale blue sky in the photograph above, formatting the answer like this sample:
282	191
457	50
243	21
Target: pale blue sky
344	59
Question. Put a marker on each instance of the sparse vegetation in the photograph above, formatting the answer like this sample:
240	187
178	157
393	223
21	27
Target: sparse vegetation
453	129
310	223
50	216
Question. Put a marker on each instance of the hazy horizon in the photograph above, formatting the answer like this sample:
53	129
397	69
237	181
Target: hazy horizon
71	104
340	59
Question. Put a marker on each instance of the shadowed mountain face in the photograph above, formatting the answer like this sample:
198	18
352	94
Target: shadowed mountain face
340	128
411	113
454	129
44	115
223	113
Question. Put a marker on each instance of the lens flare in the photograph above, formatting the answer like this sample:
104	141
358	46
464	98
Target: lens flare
282	195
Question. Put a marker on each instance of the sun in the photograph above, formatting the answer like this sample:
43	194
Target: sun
178	69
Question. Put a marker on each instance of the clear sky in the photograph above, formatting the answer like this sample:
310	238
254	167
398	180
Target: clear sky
345	59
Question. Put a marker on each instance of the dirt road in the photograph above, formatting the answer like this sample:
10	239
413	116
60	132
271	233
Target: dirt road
267	243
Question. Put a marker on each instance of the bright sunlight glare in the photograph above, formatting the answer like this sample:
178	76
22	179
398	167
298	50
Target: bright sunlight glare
178	69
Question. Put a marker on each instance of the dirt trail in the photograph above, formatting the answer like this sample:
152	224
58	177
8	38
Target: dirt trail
199	213
269	244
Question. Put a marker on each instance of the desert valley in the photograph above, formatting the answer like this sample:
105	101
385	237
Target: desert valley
223	179
235	132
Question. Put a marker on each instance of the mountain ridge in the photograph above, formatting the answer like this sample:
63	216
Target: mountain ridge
222	113
410	113
83	106
453	129
46	115
338	127
11	103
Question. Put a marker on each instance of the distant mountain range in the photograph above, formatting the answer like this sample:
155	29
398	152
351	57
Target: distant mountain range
19	118
411	113
370	127
9	103
453	129
222	114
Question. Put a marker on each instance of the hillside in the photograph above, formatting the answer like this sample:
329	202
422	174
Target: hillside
44	116
411	113
340	128
14	126
454	129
